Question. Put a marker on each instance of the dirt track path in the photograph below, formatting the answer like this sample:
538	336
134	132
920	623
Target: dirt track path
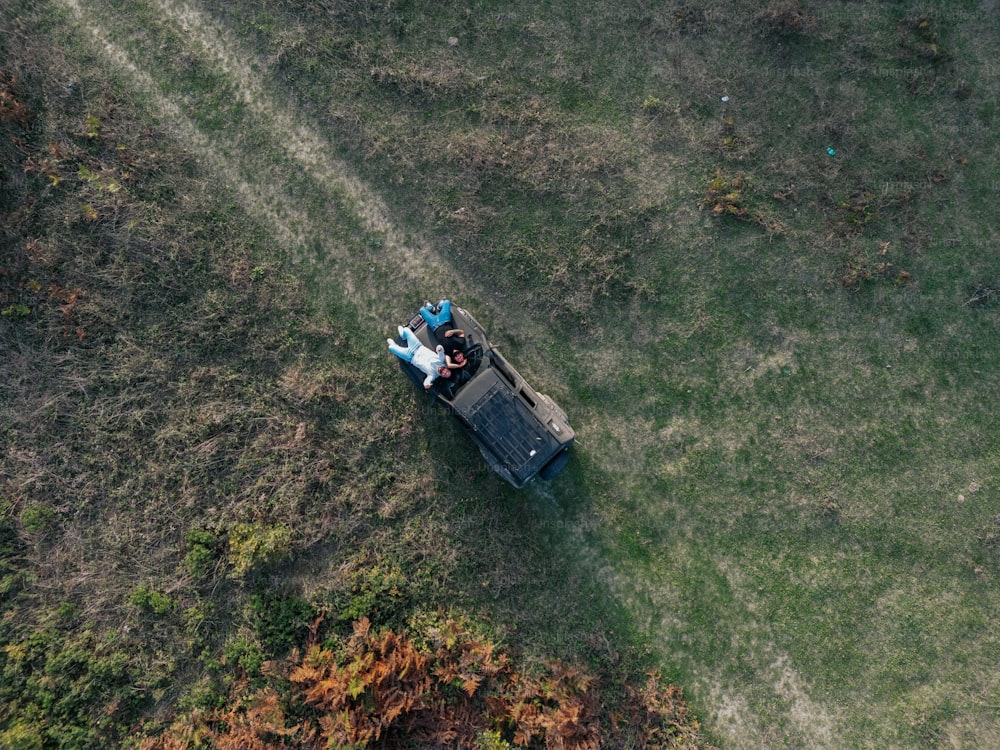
261	179
383	281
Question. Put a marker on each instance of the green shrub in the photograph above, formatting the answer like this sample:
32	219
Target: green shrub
652	105
491	740
202	550
379	593
22	736
280	622
16	311
244	652
198	616
37	518
65	690
148	599
252	545
203	695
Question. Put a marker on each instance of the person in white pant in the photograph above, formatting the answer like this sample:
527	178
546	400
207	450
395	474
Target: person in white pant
429	361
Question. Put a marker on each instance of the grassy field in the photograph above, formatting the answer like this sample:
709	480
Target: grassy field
750	248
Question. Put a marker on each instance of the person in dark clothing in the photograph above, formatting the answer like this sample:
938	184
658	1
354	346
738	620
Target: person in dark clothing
439	320
453	340
456	360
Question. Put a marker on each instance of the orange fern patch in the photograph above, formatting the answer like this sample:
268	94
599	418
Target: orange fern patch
381	690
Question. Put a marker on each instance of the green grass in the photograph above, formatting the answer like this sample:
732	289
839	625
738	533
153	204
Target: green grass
784	489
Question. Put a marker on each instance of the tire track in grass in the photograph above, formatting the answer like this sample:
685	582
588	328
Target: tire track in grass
404	261
285	221
300	141
260	181
731	706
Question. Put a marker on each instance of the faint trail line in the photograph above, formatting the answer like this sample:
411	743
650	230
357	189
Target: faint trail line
729	705
192	136
293	227
299	141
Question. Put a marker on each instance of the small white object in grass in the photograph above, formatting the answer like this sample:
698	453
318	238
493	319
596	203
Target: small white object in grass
725	98
453	41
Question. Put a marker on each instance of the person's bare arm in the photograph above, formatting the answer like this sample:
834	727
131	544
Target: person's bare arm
454	332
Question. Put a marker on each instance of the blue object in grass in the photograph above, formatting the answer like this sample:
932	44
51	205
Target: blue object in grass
830	151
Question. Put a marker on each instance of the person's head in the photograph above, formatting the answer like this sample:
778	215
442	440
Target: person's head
458	357
444	372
